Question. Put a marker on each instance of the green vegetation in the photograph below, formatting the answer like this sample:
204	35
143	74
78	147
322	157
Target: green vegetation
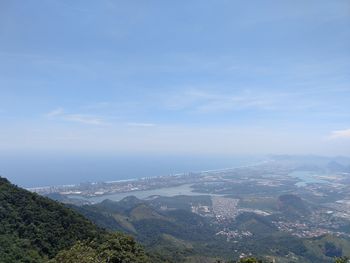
293	206
116	249
179	235
328	246
342	260
250	260
34	229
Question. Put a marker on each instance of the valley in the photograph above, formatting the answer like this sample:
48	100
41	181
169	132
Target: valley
258	210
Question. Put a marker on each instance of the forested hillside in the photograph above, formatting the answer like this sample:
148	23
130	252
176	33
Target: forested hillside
166	226
34	229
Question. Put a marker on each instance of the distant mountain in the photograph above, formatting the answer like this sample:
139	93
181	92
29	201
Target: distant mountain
314	162
335	166
34	229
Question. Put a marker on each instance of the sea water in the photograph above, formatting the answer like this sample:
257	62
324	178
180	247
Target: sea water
34	170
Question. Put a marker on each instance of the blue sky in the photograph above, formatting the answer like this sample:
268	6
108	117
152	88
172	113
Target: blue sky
213	77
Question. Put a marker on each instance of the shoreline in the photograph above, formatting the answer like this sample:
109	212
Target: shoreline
33	189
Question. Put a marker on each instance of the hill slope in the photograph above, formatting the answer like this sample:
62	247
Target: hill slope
167	227
34	229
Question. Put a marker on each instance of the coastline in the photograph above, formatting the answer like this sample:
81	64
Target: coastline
201	172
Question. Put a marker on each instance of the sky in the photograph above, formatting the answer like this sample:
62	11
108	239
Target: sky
175	77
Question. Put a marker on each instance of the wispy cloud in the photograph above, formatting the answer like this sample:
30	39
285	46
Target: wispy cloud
85	119
55	113
140	124
60	114
202	101
91	119
340	134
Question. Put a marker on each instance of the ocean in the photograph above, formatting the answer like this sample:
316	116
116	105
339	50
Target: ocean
35	170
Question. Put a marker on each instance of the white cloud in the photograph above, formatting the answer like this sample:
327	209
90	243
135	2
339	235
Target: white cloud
339	134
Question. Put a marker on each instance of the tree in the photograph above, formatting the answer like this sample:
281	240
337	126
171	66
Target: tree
342	260
80	252
117	248
249	260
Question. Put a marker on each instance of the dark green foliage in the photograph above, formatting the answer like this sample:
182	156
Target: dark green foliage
117	248
34	228
249	260
102	219
330	250
13	249
39	223
80	252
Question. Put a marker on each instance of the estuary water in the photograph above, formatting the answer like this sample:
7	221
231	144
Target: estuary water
306	177
166	191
